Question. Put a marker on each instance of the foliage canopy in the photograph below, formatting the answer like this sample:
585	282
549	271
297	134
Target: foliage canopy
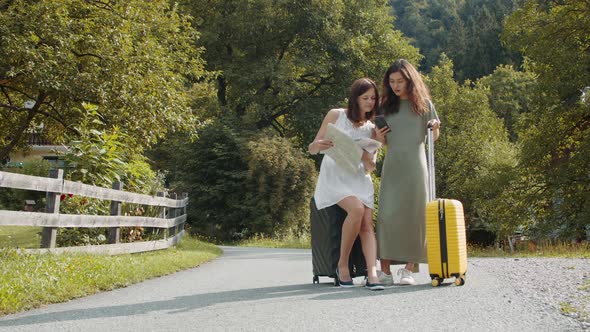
133	59
242	184
284	64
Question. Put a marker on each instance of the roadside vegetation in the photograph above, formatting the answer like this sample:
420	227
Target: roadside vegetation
19	236
28	281
261	241
543	249
524	249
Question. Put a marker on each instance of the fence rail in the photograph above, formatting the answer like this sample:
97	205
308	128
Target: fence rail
172	214
57	185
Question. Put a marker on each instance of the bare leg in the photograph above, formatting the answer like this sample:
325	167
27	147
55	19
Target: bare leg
369	244
350	230
385	265
406	277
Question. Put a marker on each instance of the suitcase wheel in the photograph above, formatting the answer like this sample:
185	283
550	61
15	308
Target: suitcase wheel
460	281
316	279
336	282
436	282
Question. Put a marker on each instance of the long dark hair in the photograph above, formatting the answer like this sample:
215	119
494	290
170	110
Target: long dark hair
358	88
418	94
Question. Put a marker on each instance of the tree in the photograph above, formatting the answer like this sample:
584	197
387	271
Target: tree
554	37
134	60
473	154
428	23
483	21
555	154
283	64
510	93
555	159
466	30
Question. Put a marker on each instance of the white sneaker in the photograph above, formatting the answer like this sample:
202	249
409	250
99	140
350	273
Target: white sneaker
406	278
385	279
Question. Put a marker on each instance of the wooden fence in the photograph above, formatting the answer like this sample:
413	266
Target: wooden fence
172	214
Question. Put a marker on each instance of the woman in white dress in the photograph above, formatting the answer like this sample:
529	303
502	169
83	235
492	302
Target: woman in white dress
353	192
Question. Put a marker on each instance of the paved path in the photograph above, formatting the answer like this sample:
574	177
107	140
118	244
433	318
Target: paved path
253	289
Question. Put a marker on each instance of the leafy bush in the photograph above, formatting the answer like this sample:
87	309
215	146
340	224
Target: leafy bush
280	183
14	199
242	184
99	156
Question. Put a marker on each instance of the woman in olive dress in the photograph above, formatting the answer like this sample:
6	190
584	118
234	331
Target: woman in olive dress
401	217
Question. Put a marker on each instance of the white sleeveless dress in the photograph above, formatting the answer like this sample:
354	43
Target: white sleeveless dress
334	182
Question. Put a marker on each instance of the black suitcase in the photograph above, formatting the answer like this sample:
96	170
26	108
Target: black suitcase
326	232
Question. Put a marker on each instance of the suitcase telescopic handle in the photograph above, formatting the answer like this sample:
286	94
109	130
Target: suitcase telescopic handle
431	182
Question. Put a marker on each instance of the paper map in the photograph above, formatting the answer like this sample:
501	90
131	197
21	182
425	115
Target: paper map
347	152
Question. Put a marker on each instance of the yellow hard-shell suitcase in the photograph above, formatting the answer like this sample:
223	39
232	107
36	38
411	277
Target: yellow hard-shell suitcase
445	232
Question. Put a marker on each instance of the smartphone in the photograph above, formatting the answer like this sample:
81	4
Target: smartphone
380	121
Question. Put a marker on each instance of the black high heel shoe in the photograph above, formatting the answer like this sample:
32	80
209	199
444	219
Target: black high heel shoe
374	287
344	284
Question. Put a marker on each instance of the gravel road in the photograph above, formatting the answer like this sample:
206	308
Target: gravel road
555	283
255	289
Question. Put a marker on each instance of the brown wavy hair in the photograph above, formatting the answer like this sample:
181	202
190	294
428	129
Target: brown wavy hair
418	93
358	88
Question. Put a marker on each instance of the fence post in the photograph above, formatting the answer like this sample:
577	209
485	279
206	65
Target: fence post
163	212
115	232
183	210
174	214
49	234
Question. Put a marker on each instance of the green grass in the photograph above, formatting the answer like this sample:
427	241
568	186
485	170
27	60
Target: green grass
29	281
561	250
571	311
20	237
284	242
28	237
568	308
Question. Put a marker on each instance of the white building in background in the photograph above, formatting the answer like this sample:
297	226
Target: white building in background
40	149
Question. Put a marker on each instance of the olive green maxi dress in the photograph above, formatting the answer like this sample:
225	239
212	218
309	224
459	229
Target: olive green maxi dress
401	217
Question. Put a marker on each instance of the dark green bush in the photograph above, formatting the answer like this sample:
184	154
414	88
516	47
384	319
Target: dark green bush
14	199
242	184
280	184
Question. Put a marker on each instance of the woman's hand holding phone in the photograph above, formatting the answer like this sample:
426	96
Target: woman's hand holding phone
382	129
381	122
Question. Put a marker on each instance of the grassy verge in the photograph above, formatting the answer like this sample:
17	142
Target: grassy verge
20	236
562	250
284	242
28	281
28	237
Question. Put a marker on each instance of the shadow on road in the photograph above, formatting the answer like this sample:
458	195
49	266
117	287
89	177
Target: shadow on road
317	292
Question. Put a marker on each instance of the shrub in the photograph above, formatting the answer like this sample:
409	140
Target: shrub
241	184
280	184
14	199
